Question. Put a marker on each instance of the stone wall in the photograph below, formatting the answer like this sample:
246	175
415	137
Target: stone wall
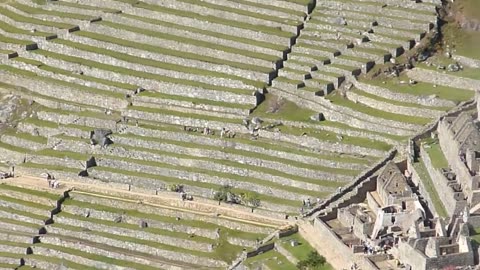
65	93
392	108
434	77
117	62
466	61
167	254
340	255
118	230
362	183
450	199
417	180
408	98
144	208
345	115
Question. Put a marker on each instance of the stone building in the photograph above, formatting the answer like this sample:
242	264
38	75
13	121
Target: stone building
436	246
396	206
459	139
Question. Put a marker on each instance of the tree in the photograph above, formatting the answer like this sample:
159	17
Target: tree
251	199
313	261
223	193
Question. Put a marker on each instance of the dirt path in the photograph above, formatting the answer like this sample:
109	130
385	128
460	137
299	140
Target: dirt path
148	199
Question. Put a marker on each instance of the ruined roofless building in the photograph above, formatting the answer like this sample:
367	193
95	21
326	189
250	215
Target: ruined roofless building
397	207
459	138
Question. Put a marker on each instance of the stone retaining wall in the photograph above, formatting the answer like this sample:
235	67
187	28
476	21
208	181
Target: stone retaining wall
154	85
452	204
13	249
445	79
344	115
466	61
47	252
180	228
165	58
137	234
158	103
190	33
19	142
232	16
385	93
215	79
181	46
233	144
244	158
167	254
17	238
22	229
18	217
66	93
27	209
392	108
197	177
172	213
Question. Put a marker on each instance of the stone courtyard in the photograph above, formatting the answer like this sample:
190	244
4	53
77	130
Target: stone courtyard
225	134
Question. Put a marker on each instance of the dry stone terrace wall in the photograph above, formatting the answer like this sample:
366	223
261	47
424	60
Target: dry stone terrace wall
141	235
384	92
65	93
163	87
119	63
344	115
171	213
198	177
441	78
145	154
392	108
193	35
165	43
193	22
249	74
209	233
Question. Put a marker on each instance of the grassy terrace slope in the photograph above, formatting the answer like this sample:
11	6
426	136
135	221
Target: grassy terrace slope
90	231
192	75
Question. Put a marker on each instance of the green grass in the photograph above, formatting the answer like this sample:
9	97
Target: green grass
37	193
258	43
423	89
436	155
302	250
399	103
176	53
140	74
465	42
26	203
12	29
33	75
133	227
157	64
17	41
214	19
195	146
38	11
338	100
23	213
166	219
430	188
26	136
196	42
272	259
92	257
24	19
